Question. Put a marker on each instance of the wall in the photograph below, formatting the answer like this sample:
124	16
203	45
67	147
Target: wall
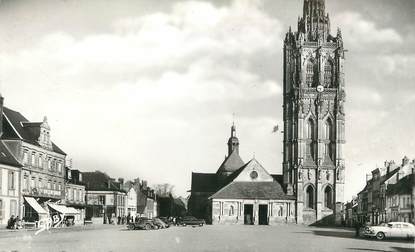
279	211
9	197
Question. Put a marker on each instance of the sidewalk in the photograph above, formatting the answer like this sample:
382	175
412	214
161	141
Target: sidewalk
4	231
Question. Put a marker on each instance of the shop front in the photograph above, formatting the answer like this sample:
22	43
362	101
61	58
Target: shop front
62	215
34	213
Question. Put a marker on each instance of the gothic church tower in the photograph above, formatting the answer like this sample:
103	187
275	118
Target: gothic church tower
314	118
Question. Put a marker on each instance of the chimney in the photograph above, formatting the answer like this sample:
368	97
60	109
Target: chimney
1	114
405	161
144	184
121	181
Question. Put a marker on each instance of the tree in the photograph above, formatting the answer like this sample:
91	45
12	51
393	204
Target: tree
164	190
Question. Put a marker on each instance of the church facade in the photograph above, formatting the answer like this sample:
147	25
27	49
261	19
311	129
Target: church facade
240	193
314	116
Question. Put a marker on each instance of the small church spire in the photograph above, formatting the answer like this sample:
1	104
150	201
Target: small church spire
233	142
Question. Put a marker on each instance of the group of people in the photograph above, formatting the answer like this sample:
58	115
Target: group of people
14	223
127	219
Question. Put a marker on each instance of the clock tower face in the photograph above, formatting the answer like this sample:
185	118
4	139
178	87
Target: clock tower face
320	88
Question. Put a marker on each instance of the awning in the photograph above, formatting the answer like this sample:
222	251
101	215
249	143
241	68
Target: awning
33	203
63	209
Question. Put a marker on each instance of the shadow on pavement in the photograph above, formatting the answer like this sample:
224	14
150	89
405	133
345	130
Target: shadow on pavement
366	249
403	249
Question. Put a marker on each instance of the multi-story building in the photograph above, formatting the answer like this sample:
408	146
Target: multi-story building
388	194
42	173
400	200
131	201
314	116
105	198
75	193
9	185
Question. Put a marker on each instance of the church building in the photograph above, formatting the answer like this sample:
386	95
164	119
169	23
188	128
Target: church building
240	193
314	116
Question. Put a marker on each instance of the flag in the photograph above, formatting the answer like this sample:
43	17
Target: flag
275	129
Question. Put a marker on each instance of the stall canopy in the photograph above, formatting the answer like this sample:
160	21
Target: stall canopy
33	203
64	210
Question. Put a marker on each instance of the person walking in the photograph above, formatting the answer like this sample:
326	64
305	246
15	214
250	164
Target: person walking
357	227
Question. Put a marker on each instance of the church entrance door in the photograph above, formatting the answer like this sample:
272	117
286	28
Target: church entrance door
249	214
263	215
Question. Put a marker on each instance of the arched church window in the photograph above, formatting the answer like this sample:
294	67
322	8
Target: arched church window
231	211
310	129
328	74
310	73
328	197
328	129
310	197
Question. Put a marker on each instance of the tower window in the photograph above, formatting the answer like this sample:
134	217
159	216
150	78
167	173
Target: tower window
328	198
310	130
310	197
310	73
328	74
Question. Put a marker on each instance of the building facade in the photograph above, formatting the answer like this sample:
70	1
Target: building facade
42	173
388	194
240	193
75	193
314	116
105	198
9	185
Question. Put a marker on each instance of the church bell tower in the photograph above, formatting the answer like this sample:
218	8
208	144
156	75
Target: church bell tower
314	116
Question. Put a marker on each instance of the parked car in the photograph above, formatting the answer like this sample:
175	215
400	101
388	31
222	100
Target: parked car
391	230
190	221
142	223
167	220
160	223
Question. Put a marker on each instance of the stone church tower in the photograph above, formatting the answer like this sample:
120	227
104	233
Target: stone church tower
314	117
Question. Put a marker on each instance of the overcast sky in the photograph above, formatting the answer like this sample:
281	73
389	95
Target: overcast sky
147	89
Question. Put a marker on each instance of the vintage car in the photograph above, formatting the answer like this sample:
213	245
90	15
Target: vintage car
142	223
391	230
160	223
190	221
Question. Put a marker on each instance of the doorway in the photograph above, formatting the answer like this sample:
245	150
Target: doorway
263	215
249	214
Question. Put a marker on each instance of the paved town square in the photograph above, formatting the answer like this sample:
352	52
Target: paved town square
207	238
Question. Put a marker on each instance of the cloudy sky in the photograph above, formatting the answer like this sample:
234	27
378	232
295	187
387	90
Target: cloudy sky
147	89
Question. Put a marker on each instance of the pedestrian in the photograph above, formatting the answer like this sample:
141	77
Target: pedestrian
10	222
136	218
119	220
357	227
18	224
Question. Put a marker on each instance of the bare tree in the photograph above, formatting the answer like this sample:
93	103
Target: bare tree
163	189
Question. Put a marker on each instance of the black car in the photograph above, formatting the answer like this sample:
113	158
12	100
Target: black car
191	221
142	223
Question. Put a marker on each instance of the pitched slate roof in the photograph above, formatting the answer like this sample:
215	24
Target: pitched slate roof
6	157
99	181
403	186
252	190
232	163
25	130
204	182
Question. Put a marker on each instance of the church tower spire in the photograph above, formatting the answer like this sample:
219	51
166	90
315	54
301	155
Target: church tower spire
233	142
314	116
315	23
